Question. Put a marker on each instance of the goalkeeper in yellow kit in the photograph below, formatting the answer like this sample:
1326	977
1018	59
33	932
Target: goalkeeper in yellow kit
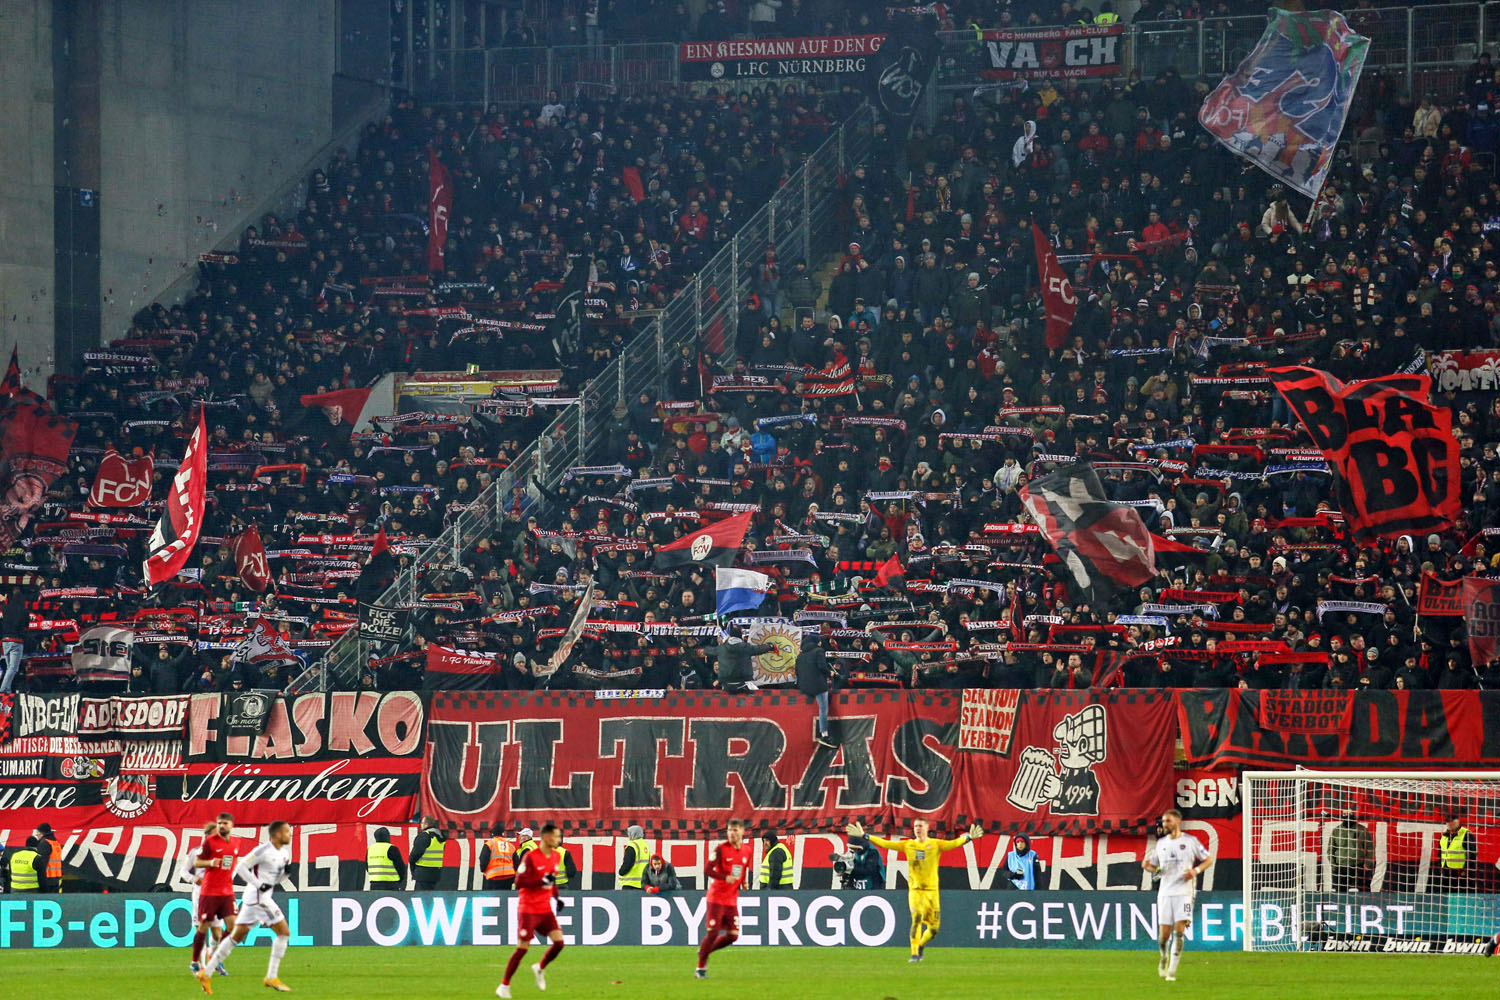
922	854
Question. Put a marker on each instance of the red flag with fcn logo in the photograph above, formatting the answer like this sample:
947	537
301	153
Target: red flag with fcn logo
175	534
250	560
122	482
1057	293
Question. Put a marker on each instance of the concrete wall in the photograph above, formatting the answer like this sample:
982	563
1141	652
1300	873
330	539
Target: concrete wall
206	106
26	264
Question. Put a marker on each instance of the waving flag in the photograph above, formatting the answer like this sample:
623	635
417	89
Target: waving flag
716	544
250	560
173	538
1392	453
1104	546
439	205
11	383
342	407
1057	293
739	589
34	444
122	482
264	645
891	573
1285	105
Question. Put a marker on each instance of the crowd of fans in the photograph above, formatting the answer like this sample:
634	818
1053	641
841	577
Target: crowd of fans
889	402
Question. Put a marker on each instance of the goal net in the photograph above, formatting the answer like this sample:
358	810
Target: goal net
1354	861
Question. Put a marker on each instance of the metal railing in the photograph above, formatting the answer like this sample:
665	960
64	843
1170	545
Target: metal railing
801	221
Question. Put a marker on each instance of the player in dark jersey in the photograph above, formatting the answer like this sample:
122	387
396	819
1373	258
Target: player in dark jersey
216	860
536	882
725	872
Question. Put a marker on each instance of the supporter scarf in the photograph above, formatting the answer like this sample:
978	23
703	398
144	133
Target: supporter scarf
1358	607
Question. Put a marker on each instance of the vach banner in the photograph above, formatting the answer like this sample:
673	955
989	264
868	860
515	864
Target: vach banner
1095	761
1396	729
382	624
1392	453
1054	53
740	60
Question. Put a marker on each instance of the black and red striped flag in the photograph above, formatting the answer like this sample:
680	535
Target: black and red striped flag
1104	546
715	545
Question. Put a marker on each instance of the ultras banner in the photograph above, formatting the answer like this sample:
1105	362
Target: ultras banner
798	919
1414	729
351	755
1079	762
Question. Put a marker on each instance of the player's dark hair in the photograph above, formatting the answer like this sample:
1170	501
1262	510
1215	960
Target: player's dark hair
226	816
277	826
549	828
1173	812
736	822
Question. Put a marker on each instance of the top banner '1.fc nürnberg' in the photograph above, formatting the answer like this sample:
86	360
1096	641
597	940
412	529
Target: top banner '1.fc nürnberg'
762	58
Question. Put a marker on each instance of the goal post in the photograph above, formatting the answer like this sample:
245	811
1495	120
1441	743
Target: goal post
1352	861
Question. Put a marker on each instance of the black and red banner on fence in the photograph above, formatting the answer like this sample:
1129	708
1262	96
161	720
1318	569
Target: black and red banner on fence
1079	761
1395	729
1052	53
1306	713
457	670
1392	453
1481	610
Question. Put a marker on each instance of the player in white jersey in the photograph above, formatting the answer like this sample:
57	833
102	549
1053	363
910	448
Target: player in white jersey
261	870
190	873
1179	858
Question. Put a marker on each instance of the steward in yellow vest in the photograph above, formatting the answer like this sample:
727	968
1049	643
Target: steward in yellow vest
384	866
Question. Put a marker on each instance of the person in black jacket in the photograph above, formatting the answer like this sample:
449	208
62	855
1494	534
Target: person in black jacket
733	659
13	623
814	676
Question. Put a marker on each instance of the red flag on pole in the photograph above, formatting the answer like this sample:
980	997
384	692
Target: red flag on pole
891	573
439	205
1057	293
181	523
250	560
343	406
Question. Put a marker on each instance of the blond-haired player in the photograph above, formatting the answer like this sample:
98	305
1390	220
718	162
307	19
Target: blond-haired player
922	855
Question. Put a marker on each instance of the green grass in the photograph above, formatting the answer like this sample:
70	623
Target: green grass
415	973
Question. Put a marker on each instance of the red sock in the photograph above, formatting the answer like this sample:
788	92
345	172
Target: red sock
198	940
513	964
706	948
553	950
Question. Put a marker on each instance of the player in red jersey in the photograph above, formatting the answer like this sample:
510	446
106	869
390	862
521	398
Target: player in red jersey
216	860
536	882
725	873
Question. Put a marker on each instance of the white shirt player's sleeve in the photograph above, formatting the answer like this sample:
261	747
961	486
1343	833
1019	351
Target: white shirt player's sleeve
1200	853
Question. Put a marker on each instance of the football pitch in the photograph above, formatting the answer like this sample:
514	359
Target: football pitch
813	973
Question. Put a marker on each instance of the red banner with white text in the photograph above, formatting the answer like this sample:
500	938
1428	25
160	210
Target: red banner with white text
1078	762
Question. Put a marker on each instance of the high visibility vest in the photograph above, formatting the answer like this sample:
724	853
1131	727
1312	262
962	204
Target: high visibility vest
1452	850
526	847
786	867
54	862
23	873
433	856
1106	18
632	878
502	863
379	864
560	876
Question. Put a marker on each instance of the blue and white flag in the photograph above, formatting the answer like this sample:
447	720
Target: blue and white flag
739	589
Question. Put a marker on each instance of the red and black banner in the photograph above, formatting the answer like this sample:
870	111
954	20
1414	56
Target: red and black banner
1392	453
1057	292
715	545
1054	53
1104	547
1079	762
439	206
34	444
1440	597
1305	713
456	670
343	407
181	522
250	560
122	482
1395	729
1481	609
150	717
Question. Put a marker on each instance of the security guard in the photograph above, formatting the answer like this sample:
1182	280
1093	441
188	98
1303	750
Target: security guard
1456	855
637	856
23	868
427	856
775	863
51	850
383	863
567	869
1106	14
528	843
498	860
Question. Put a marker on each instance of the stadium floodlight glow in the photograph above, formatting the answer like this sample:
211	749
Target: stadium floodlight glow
1352	861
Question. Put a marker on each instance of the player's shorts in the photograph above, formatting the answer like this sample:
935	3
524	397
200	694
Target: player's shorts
265	913
1176	908
533	925
924	905
724	917
210	908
